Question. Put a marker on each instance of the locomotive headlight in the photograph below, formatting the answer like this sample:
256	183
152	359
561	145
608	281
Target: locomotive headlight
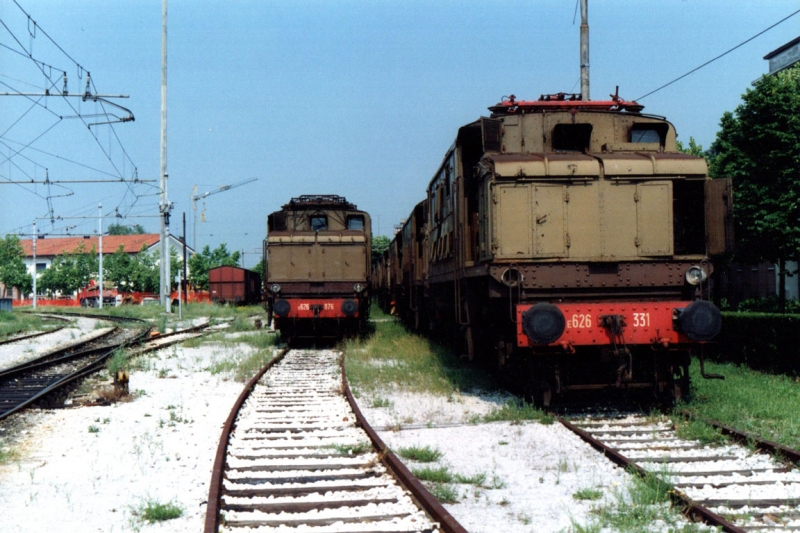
695	275
358	287
276	288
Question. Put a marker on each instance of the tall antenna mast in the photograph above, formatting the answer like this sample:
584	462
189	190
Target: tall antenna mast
584	50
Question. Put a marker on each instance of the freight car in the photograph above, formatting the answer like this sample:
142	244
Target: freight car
317	256
234	285
567	242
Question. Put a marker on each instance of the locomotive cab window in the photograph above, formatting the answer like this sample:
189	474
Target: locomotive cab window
571	137
649	133
318	222
277	221
355	222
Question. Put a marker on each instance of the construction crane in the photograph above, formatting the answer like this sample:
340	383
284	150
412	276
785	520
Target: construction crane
196	197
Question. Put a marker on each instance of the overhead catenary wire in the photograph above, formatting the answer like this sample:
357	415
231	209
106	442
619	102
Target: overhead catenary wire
719	56
53	76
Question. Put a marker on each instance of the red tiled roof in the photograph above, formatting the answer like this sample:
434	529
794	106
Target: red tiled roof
111	243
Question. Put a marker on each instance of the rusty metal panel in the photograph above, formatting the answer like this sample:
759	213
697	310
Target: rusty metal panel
549	221
513	225
719	215
653	218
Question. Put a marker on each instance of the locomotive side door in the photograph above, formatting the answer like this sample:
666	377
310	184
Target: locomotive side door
549	220
512	220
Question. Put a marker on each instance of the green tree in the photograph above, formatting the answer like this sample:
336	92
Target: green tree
118	269
379	245
69	271
693	148
759	147
12	268
139	273
200	263
259	267
119	229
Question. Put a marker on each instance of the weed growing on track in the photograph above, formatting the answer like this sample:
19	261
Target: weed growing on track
152	511
516	410
241	365
434	475
444	492
762	404
645	502
588	493
421	455
118	361
699	431
7	455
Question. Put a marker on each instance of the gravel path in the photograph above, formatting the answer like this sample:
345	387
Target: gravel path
93	468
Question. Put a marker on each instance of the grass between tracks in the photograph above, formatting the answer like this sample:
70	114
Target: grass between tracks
15	323
763	405
644	505
392	359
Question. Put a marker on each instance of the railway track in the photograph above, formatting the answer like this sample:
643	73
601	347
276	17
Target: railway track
296	455
27	336
30	382
33	381
732	486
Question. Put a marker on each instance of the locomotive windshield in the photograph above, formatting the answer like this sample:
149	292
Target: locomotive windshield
648	133
355	222
319	222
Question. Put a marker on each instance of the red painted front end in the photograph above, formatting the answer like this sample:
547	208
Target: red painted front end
317	308
645	323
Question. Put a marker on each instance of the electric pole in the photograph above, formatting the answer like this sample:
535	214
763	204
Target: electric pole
164	206
584	50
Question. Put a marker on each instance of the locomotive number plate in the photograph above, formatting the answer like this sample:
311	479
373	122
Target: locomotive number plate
305	306
579	321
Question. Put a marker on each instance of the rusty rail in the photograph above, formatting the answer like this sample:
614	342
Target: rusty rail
784	453
691	509
426	501
104	352
215	489
399	470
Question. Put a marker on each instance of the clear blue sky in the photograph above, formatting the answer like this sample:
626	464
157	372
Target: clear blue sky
356	98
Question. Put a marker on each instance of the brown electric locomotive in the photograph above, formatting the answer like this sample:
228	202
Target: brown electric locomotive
568	242
317	267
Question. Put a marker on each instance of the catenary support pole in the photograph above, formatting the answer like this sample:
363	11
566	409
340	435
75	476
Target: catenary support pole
100	254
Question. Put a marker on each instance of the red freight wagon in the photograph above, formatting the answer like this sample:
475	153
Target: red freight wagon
229	284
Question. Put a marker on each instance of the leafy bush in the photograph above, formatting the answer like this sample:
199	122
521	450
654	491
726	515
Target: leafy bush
762	341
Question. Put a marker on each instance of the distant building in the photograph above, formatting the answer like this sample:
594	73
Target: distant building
48	248
784	57
780	59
